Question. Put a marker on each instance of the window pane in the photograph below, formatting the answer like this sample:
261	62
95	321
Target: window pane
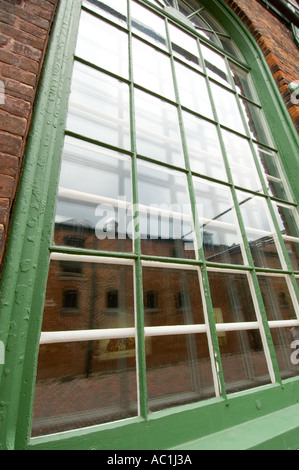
184	46
256	122
241	162
179	305
83	384
193	90
227	108
116	10
94	193
242	81
204	149
231	297
243	360
259	230
154	73
273	174
215	65
166	227
99	107
287	218
103	45
171	357
277	298
157	129
287	356
92	282
148	25
218	223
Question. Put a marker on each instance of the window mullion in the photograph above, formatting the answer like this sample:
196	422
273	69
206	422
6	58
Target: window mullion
138	285
211	332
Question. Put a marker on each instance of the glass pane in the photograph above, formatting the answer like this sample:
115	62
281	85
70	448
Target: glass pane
83	384
204	149
287	218
94	198
259	230
180	305
243	360
193	90
115	10
166	227
231	297
287	356
242	81
99	107
103	45
148	25
241	162
215	65
93	284
256	122
171	357
227	108
154	73
277	299
184	46
157	129
218	223
273	174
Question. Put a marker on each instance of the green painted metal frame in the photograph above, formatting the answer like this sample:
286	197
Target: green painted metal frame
26	265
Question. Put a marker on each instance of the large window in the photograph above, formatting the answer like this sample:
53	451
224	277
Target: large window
187	277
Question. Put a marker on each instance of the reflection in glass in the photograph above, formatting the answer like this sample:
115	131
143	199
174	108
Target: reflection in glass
282	340
241	162
180	305
256	122
116	10
148	25
92	282
215	65
231	295
166	227
171	357
272	171
259	230
103	45
218	223
227	108
99	107
243	360
203	147
157	129
184	46
242	81
277	298
193	90
94	190
287	218
83	384
154	73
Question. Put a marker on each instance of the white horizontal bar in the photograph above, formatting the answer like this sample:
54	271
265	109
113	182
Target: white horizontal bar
283	323
93	198
250	325
53	337
174	330
290	239
158	264
91	259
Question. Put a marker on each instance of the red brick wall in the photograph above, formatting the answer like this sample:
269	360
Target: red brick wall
277	44
24	32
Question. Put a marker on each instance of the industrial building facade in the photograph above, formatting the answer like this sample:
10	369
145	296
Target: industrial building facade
150	235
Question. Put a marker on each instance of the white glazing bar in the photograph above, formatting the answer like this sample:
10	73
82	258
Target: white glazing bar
93	198
53	337
158	264
90	259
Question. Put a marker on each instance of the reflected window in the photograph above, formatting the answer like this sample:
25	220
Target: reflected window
71	300
112	299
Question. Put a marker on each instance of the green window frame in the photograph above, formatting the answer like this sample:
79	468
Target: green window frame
30	246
